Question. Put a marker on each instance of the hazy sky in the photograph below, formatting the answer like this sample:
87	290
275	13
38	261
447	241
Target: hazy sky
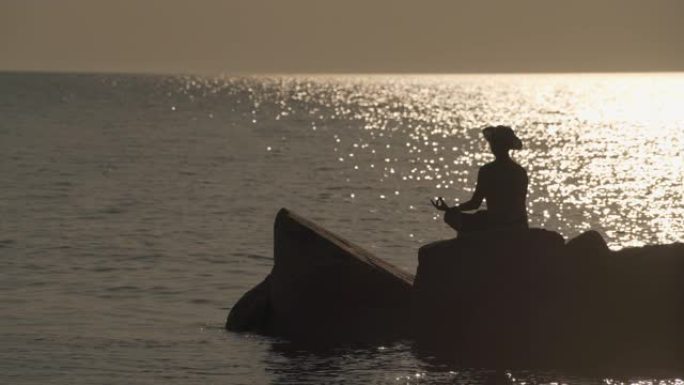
342	36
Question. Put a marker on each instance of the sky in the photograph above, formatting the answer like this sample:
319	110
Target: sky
335	36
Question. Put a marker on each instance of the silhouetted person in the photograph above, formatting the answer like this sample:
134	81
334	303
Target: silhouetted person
503	183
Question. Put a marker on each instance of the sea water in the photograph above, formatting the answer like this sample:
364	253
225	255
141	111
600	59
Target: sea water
136	209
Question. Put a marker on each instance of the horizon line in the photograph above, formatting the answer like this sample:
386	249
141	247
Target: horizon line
322	73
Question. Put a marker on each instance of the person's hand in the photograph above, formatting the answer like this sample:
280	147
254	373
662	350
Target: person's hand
439	204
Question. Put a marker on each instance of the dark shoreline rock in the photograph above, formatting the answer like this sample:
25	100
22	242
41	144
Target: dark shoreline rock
515	300
324	289
500	299
251	313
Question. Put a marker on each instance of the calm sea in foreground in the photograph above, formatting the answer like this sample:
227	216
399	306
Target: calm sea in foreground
135	210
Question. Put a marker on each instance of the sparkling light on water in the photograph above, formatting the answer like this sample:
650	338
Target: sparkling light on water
602	151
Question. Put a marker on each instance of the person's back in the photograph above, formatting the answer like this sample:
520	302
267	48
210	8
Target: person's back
502	183
504	186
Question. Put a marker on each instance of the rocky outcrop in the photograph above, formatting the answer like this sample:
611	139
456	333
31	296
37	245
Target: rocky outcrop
504	298
516	299
323	288
252	312
486	297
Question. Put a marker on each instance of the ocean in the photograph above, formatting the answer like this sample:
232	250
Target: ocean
135	210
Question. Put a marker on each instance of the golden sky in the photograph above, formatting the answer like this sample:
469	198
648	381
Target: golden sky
304	36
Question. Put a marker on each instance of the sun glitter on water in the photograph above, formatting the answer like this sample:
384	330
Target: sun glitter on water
602	151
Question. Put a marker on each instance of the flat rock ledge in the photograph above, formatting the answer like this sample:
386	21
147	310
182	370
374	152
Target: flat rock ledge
505	299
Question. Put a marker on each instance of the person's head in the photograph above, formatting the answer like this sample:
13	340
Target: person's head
501	139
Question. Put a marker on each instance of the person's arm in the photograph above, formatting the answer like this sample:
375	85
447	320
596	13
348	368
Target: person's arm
474	202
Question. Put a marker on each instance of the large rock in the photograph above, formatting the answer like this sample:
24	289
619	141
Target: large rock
628	307
498	299
526	299
324	289
483	297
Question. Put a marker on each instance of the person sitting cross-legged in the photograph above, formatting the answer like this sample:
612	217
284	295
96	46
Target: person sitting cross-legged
502	183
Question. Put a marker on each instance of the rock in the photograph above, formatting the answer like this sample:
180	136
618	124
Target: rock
325	289
588	244
509	299
498	299
251	312
629	307
483	296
